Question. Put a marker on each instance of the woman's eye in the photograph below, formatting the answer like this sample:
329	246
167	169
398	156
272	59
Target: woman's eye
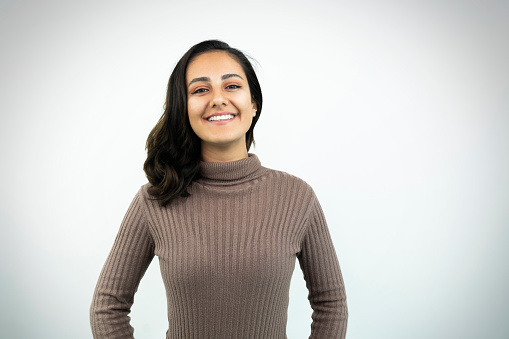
233	86
199	90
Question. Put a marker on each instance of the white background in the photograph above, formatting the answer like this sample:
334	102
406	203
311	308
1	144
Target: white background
396	112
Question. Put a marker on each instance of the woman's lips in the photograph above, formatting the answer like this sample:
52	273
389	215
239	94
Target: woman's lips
221	117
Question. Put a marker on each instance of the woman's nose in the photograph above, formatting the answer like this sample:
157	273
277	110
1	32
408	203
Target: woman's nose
218	99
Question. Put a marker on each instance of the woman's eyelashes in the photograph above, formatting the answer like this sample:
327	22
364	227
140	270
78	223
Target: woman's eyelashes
233	86
199	90
203	90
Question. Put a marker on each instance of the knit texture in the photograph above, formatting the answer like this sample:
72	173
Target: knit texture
226	253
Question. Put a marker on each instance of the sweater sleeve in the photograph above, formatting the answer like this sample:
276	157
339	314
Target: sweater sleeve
323	277
126	264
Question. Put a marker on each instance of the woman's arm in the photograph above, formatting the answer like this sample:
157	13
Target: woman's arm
128	260
320	265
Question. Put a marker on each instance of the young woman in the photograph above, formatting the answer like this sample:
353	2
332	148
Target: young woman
226	230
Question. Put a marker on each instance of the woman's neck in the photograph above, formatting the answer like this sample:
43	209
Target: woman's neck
218	154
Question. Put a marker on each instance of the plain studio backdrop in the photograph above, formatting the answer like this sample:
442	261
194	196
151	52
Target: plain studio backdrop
395	112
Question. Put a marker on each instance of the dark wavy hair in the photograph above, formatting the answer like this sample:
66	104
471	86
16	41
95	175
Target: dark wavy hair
173	149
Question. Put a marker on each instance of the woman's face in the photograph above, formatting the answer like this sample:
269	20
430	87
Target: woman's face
219	101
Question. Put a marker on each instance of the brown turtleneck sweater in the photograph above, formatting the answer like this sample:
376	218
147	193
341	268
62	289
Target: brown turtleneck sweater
226	254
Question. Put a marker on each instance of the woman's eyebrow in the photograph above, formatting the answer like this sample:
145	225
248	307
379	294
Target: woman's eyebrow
223	77
231	75
198	79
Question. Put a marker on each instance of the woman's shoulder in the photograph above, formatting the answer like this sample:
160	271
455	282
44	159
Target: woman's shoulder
143	191
286	179
144	195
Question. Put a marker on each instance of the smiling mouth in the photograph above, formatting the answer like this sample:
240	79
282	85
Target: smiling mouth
221	117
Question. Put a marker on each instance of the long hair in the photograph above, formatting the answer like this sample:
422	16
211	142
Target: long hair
173	149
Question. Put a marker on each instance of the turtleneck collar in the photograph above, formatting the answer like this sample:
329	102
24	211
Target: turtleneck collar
233	172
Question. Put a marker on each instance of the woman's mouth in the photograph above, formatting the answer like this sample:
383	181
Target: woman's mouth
221	117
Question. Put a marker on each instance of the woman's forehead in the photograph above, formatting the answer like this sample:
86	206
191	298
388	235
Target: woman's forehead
212	63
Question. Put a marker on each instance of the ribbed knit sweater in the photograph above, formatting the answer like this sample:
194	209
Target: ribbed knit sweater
226	253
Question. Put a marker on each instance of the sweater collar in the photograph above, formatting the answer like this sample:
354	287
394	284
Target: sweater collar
238	170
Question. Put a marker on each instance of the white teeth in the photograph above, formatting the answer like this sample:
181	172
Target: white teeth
221	117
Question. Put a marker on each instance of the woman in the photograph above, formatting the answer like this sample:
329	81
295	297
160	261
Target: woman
226	229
